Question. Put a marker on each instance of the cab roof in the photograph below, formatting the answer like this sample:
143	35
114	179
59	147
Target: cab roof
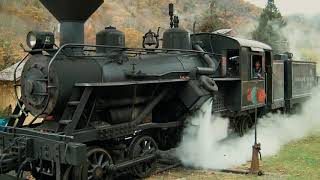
221	39
250	43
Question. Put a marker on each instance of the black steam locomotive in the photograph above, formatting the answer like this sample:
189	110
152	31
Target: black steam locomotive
108	109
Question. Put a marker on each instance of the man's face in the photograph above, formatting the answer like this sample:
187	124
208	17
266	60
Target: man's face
258	65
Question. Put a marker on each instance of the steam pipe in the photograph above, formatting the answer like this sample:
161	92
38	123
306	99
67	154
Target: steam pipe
150	106
208	83
212	67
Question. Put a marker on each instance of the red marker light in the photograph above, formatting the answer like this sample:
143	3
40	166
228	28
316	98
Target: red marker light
49	118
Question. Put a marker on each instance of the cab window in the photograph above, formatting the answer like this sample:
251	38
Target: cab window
257	67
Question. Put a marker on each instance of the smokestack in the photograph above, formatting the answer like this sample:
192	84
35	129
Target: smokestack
72	14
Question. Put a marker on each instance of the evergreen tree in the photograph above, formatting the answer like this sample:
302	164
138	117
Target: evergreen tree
269	29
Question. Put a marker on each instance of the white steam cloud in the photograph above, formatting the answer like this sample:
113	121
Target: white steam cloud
302	33
206	143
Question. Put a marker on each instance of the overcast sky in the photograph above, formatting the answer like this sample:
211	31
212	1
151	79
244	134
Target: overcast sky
286	7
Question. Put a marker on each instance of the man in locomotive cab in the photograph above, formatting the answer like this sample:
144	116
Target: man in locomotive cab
257	70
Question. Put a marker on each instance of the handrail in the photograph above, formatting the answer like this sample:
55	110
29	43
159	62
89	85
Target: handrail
72	45
15	84
139	50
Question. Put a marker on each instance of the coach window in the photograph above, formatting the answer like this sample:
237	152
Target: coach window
256	67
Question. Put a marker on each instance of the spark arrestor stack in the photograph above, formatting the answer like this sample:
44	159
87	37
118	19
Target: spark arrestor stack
72	14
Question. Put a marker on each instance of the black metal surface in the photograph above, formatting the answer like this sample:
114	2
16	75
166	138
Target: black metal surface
78	111
71	32
129	83
46	146
133	162
278	86
72	14
8	162
110	37
72	10
227	42
144	147
60	65
211	62
99	162
176	38
193	95
150	107
299	79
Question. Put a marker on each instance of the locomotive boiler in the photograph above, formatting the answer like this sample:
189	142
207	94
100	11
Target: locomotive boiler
108	110
48	80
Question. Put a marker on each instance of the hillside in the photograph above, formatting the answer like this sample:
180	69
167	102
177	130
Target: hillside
133	17
17	18
303	35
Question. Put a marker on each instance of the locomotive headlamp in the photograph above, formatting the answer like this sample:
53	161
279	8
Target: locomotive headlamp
40	40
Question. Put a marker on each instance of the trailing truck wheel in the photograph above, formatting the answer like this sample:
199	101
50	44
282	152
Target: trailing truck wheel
241	124
98	162
244	124
140	147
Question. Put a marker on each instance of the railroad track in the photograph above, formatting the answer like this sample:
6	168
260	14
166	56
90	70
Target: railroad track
162	166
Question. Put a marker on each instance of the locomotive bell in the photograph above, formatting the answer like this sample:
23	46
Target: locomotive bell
110	36
149	39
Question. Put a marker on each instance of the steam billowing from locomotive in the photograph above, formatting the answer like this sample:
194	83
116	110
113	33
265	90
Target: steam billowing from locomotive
207	142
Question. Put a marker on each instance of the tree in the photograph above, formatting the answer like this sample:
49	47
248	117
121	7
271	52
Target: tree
269	29
6	54
215	18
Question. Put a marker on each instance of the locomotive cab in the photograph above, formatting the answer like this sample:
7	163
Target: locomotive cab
243	70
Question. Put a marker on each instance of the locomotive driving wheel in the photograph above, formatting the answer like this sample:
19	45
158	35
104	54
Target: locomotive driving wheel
98	162
140	147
